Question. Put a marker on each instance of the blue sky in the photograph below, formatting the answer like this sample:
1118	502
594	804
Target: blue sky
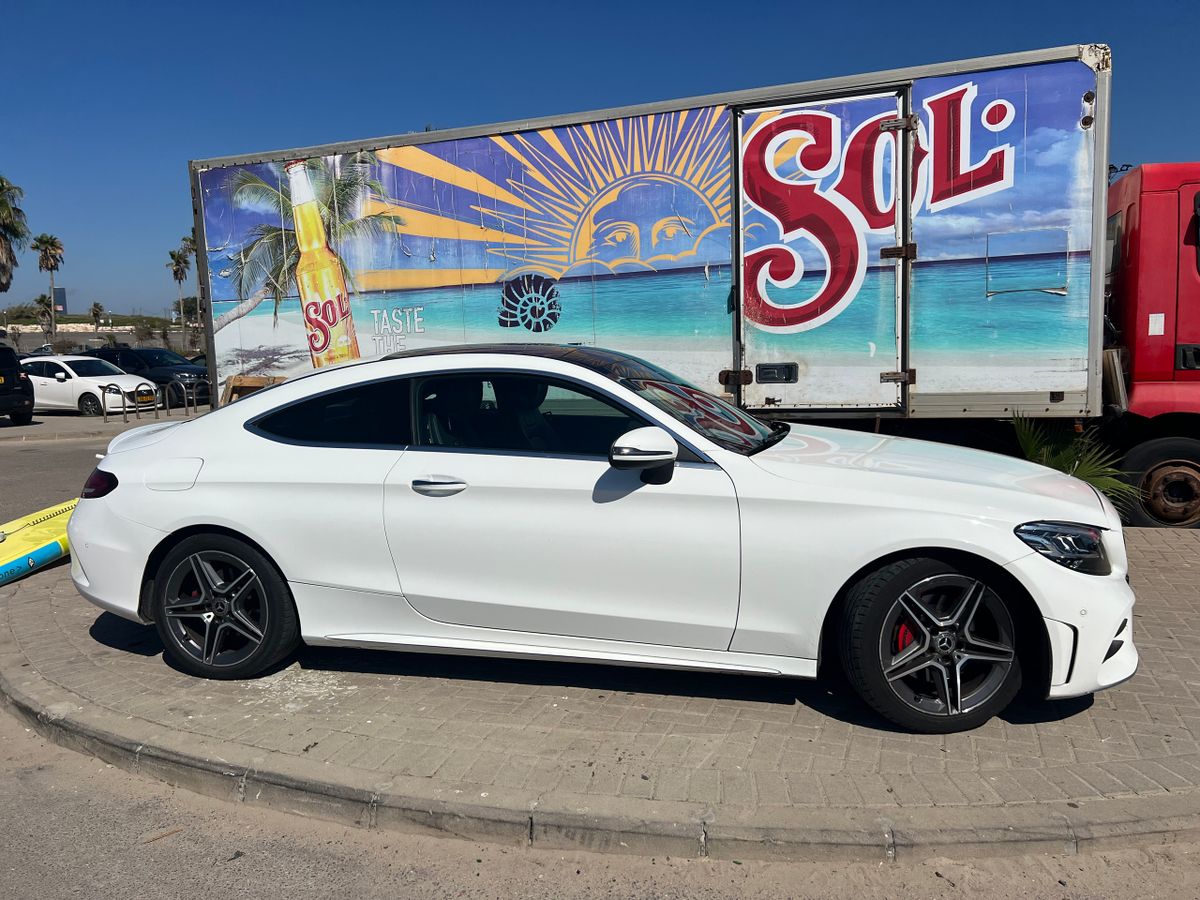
108	102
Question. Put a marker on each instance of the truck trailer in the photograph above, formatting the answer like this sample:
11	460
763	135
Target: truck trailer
920	250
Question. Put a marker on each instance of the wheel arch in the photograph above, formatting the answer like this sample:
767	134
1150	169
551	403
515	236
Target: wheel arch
173	540
1035	658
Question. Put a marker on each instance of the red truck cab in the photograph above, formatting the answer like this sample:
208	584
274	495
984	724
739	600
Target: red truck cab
1154	318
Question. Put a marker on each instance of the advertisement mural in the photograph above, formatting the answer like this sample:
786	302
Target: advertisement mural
613	233
1002	169
618	234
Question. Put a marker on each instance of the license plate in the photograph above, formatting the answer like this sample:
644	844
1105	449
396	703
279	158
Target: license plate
144	395
1	379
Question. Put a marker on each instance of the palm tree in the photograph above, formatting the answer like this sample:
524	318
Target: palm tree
45	312
266	266
14	233
1080	455
187	244
179	265
50	258
97	313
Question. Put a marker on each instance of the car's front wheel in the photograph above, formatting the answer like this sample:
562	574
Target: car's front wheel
89	405
931	646
222	609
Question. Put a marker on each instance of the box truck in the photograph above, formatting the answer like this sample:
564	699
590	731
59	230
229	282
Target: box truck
903	250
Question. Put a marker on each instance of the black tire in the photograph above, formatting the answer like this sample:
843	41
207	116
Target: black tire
21	418
89	405
874	618
188	613
1167	471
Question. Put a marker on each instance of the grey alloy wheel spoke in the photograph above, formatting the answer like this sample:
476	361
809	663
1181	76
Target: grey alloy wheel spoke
921	615
910	665
241	623
206	576
949	682
964	615
212	640
186	607
236	587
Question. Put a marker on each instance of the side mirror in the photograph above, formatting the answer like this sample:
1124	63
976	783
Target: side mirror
60	376
650	449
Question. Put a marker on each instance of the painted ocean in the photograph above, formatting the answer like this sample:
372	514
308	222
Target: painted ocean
1015	311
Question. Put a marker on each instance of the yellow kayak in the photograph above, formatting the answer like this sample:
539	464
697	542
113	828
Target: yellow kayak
34	541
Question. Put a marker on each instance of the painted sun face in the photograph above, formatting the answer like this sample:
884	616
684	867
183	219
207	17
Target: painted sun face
644	218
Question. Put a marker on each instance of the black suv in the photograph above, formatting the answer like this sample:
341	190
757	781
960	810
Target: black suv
162	367
16	390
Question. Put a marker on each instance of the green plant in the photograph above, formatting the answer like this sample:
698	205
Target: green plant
50	259
1082	456
14	233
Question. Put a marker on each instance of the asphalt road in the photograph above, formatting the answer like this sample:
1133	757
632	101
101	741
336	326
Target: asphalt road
37	474
76	827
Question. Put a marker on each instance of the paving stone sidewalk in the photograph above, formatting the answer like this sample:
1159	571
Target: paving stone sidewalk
638	745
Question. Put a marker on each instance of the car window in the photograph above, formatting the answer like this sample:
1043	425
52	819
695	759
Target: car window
130	362
93	368
521	413
154	356
37	369
366	415
52	369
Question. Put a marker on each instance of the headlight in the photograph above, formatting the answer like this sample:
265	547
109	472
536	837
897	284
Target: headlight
1077	547
112	389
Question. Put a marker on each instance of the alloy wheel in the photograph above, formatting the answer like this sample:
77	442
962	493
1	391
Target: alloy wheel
946	645
215	608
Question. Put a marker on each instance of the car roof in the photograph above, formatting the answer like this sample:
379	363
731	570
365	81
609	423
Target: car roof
609	363
69	357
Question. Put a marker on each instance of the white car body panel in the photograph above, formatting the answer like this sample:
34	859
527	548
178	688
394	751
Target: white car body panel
732	564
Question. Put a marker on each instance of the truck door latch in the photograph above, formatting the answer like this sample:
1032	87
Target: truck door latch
903	123
732	377
904	376
904	251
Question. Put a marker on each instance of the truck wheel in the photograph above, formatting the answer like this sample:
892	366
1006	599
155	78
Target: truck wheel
1167	471
930	646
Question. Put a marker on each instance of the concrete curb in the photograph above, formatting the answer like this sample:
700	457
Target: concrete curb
307	787
38	437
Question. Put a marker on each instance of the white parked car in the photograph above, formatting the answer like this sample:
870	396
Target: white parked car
86	384
569	503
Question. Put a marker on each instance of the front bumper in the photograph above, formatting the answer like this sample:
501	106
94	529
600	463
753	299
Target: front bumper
1085	616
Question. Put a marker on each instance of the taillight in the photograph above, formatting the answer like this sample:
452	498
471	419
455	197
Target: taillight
22	376
98	484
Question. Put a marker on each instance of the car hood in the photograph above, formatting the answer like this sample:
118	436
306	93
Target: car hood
972	479
195	371
124	382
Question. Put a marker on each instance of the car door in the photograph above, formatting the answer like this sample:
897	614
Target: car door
54	394
506	514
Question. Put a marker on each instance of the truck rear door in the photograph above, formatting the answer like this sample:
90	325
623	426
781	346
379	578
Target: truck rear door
822	311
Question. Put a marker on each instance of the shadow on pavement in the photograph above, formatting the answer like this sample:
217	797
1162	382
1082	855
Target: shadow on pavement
829	695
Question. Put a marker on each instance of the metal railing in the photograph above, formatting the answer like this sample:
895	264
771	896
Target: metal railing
189	391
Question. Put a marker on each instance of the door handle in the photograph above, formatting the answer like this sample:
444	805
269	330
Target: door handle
438	486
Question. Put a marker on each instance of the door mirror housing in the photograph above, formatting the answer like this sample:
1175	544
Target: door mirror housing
650	449
60	376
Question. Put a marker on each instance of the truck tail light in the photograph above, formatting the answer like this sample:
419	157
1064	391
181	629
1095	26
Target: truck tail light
98	484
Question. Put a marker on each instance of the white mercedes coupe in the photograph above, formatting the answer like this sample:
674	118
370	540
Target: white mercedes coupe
570	503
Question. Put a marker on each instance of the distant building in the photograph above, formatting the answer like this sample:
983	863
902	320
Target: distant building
60	299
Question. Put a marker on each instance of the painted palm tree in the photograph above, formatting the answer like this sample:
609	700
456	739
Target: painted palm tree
50	259
97	313
14	233
266	265
179	264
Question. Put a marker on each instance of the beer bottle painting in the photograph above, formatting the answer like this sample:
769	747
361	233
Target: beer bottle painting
319	278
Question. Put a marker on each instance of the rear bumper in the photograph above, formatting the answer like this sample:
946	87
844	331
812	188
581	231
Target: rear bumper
15	402
108	557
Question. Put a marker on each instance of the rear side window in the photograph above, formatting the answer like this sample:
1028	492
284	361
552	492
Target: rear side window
366	415
36	368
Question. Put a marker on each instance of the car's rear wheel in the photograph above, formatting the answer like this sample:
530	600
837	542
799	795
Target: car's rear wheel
931	646
89	405
21	418
222	609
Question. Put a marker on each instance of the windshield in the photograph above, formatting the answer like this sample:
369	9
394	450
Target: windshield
92	368
720	422
156	357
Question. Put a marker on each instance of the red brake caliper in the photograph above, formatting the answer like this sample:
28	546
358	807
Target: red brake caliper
904	637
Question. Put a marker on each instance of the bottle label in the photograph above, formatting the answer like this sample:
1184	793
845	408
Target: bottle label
323	316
